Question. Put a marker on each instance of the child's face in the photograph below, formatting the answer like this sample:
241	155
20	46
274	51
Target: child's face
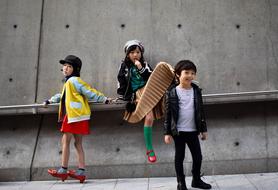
186	77
135	55
67	69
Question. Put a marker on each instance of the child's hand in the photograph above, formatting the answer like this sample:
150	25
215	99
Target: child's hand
45	103
138	64
204	136
167	139
109	101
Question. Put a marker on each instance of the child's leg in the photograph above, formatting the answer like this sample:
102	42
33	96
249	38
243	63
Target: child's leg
80	173
62	171
179	155
79	150
195	149
149	119
148	132
66	149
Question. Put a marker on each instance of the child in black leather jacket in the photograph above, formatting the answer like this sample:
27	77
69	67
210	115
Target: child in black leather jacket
185	121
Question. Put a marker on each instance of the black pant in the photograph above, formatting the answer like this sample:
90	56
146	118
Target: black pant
192	141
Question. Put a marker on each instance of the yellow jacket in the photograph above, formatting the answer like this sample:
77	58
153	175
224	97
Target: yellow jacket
76	93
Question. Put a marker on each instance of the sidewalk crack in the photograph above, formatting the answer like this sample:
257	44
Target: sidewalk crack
251	182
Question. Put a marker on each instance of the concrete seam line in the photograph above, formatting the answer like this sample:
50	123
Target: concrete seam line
35	147
39	50
251	182
116	182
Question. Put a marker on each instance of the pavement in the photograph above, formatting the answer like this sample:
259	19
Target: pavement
257	181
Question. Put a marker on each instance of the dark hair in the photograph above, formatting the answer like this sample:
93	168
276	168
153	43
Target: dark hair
185	65
132	48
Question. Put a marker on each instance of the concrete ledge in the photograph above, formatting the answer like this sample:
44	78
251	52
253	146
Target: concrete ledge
53	108
222	98
240	97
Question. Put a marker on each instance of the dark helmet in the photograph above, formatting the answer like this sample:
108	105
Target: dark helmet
75	62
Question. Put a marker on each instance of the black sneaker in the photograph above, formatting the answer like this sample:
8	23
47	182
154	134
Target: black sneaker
198	183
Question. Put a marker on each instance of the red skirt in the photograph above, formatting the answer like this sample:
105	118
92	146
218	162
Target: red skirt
80	127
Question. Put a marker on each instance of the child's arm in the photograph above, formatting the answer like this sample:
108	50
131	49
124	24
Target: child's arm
204	133
54	99
122	82
167	123
145	71
91	93
168	117
203	117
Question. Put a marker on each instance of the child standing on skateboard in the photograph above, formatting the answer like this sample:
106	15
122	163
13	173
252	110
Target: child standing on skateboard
74	112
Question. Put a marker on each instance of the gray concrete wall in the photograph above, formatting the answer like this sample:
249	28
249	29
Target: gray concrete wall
19	39
18	139
234	43
242	139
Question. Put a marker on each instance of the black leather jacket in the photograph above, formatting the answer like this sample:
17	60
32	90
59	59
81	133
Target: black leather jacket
124	75
172	111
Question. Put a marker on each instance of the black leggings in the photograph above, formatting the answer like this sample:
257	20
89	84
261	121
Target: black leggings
192	141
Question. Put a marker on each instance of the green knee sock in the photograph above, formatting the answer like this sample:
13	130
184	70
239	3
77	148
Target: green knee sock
148	138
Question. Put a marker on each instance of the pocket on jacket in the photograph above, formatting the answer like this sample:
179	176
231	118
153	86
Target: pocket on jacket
76	105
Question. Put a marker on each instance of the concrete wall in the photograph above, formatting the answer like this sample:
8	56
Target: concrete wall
242	139
18	138
19	50
234	43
